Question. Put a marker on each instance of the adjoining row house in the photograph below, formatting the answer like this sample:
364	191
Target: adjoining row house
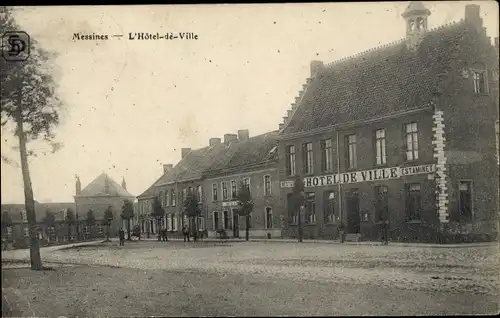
404	132
214	173
97	196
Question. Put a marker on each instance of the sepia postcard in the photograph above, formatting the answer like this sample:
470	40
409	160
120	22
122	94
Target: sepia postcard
271	159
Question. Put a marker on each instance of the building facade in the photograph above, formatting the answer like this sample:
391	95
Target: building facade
403	133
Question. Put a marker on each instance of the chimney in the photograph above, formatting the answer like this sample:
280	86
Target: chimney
472	15
214	141
124	184
243	134
184	152
167	168
230	138
315	67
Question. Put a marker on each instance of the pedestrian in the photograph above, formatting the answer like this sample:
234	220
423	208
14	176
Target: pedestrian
122	237
386	232
185	232
164	235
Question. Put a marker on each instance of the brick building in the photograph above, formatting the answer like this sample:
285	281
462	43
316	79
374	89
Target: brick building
252	161
404	132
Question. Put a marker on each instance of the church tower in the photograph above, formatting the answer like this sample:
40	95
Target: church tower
415	17
124	184
78	186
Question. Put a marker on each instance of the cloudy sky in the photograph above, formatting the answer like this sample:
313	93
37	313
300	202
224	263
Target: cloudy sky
130	106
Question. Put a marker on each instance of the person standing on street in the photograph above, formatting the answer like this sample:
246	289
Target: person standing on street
185	232
122	237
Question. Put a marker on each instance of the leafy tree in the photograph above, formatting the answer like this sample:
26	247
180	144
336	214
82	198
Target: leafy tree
298	201
90	220
192	210
157	214
50	221
29	110
245	206
6	221
127	214
70	221
108	219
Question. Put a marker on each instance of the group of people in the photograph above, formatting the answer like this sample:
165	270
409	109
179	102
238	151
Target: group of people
163	235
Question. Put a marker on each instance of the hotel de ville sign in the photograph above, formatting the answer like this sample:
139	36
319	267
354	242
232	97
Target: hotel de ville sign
363	176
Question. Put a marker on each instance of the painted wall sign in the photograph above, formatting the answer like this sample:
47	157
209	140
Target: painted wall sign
362	176
230	203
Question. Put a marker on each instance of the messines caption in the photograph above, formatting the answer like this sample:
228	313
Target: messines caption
137	36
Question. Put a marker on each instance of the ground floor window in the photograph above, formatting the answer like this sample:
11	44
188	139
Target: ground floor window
465	200
292	209
216	221
381	203
413	202
329	207
169	222
201	223
269	218
310	208
100	229
26	232
226	220
9	231
184	220
86	229
175	222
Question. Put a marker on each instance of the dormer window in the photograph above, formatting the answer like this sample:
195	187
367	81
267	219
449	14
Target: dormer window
479	78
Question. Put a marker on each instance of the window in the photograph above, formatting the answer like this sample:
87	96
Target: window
86	229
267	185
224	190
184	194
185	220
292	209
465	200
307	153
381	203
169	222
9	231
201	223
173	197
216	221
26	232
24	216
329	207
326	155
162	198
226	220
310	212
351	156
175	222
246	181
479	78
167	201
413	202
411	141
269	218
380	147
214	192
234	189
100	229
290	160
199	192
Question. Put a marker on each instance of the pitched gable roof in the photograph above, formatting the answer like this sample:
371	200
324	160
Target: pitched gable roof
150	192
378	82
56	208
98	188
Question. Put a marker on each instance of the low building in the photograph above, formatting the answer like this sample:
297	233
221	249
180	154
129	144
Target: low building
403	133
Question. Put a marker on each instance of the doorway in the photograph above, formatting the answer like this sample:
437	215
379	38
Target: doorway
352	207
236	225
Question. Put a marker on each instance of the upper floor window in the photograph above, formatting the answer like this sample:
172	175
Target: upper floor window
173	197
167	201
184	194
224	190
199	193
214	192
246	181
234	189
380	146
290	160
326	155
162	198
351	155
411	141
479	78
267	185
307	150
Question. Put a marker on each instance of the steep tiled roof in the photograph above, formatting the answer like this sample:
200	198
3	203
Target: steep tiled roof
57	208
97	188
379	81
255	150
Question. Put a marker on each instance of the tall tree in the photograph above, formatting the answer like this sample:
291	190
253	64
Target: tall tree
90	220
298	197
70	221
157	214
245	206
108	219
29	109
50	222
128	214
192	210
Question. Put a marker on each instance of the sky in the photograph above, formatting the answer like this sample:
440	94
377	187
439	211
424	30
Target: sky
130	106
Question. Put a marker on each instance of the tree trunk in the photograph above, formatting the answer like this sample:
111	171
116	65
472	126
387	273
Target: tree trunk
158	229
36	261
128	229
69	232
247	228
107	232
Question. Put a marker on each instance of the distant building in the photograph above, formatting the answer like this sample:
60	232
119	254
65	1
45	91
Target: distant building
403	132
